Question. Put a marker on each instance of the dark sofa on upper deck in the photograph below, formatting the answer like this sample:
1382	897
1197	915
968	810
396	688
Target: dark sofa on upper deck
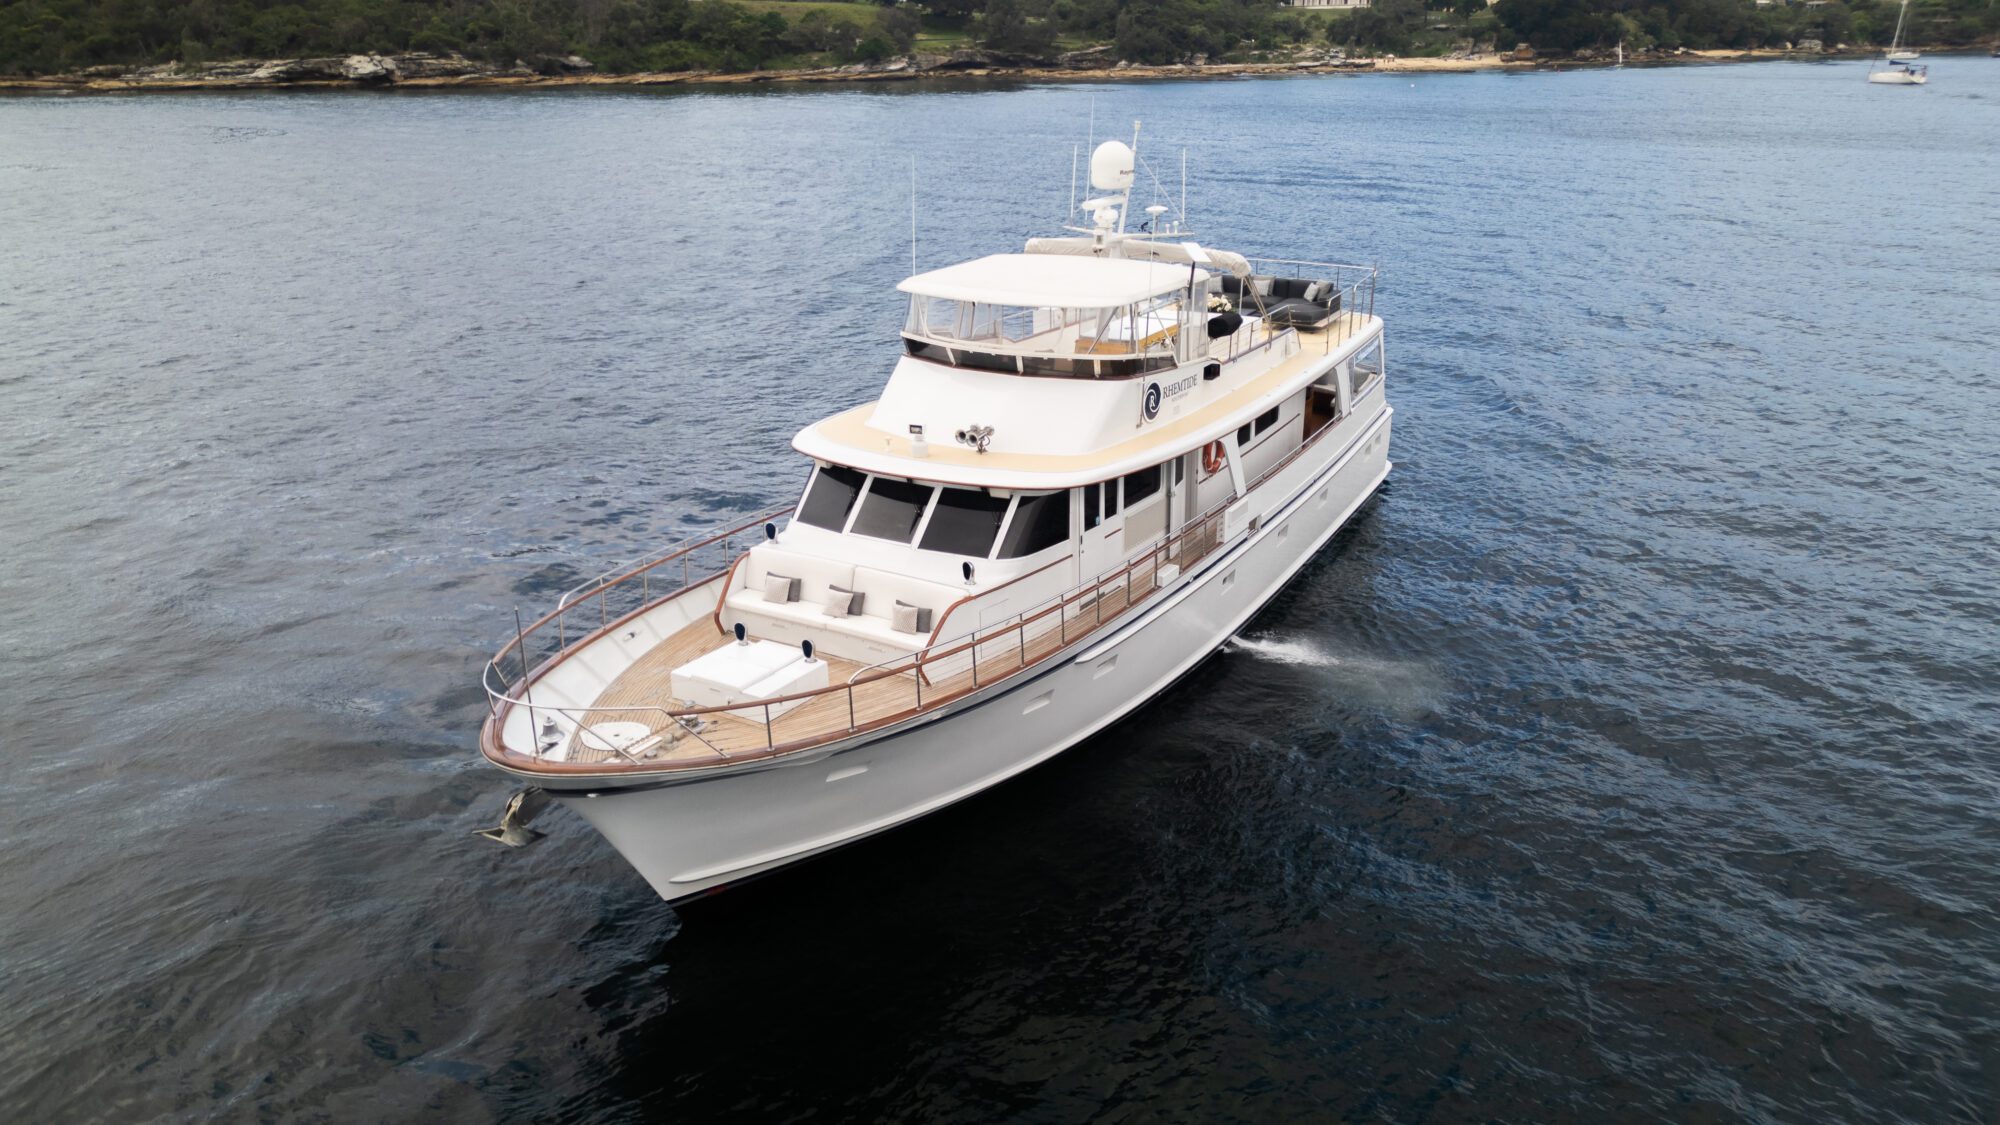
1295	302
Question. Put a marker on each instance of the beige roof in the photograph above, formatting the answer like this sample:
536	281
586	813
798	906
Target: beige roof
1051	281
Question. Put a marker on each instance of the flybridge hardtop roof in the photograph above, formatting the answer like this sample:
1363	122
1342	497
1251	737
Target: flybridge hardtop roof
1052	281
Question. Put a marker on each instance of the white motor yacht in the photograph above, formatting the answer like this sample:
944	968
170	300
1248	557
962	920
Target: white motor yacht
1094	460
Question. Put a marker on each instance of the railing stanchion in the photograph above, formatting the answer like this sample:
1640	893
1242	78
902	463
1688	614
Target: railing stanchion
770	740
850	705
1021	627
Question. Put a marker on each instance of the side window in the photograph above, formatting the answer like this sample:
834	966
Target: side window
1243	436
1090	517
1040	522
1267	419
1367	367
964	523
830	496
1180	470
1110	498
892	509
1142	484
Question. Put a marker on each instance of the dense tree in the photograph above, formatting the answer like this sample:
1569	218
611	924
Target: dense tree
45	36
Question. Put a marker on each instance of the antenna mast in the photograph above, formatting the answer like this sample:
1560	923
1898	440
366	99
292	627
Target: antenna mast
913	215
1070	215
1125	204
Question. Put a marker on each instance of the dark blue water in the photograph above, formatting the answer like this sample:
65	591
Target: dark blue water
1632	757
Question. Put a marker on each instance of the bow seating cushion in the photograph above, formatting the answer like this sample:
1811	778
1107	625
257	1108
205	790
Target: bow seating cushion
868	636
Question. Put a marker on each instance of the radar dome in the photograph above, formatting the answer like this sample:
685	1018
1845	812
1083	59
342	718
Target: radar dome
1111	166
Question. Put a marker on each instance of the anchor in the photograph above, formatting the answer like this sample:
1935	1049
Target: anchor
522	808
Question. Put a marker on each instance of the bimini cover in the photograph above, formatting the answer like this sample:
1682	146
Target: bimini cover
1139	249
1051	281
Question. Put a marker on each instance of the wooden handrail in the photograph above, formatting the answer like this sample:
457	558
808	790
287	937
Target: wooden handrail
621	579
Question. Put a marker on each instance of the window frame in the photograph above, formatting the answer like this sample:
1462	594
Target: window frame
937	502
1014	513
916	528
853	503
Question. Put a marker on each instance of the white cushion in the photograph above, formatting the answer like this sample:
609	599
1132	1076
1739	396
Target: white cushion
904	618
780	588
884	590
814	573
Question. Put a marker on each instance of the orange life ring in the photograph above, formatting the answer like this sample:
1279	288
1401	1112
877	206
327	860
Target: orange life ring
1211	458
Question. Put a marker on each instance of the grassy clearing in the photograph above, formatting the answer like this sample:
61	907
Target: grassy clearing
862	15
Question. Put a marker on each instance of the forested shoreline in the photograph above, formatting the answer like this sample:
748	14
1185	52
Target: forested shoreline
50	37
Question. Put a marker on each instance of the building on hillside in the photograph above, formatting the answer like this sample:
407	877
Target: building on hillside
1325	3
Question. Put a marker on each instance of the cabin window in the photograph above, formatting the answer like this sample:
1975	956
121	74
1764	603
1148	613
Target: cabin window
964	523
1110	498
1243	435
892	509
1039	522
1180	470
830	496
1142	484
1366	368
1090	514
1267	419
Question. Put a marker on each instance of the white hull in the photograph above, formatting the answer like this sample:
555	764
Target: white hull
695	836
1896	78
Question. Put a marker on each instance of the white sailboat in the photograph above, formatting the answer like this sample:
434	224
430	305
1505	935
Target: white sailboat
1901	70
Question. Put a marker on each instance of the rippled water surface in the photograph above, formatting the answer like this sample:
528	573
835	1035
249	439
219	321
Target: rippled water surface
1632	756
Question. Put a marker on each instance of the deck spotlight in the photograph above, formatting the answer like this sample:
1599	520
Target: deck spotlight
742	634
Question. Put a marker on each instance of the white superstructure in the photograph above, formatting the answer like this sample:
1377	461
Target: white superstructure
1093	462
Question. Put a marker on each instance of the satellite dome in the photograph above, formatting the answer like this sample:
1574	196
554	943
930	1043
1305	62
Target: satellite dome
1111	166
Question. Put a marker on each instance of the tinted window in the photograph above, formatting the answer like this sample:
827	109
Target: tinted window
964	523
1367	368
1141	484
830	497
1267	419
1089	506
1040	522
892	509
1243	435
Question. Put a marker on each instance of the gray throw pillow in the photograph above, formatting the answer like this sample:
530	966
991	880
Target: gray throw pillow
837	602
920	619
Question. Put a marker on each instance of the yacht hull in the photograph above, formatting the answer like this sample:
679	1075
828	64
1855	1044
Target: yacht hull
693	836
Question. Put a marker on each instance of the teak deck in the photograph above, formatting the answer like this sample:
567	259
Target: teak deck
886	695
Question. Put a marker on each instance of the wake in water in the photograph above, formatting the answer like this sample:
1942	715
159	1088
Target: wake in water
1406	690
